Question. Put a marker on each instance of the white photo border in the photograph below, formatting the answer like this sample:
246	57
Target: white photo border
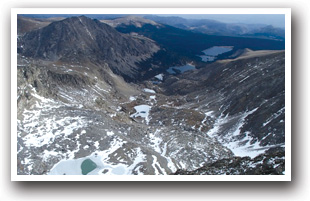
285	11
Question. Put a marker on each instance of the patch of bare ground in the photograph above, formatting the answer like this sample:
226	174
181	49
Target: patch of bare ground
248	53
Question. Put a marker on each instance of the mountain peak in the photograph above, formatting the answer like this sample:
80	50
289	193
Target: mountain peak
82	39
81	19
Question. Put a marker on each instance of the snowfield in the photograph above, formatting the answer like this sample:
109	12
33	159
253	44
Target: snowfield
240	147
142	111
149	90
160	77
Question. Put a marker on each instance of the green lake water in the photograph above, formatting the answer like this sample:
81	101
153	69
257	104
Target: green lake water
87	166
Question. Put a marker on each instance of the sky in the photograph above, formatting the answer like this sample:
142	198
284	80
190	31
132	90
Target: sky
276	20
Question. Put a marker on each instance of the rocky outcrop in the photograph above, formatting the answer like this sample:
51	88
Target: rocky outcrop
265	164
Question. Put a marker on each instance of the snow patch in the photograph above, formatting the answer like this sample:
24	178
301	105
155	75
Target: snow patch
142	111
149	90
244	79
110	133
88	32
131	98
160	77
47	154
274	116
240	147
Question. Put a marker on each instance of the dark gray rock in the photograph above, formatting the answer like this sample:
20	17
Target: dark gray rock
264	164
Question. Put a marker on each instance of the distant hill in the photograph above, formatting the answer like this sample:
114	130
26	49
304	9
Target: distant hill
213	27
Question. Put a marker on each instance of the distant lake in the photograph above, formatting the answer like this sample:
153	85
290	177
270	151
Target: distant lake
181	69
212	53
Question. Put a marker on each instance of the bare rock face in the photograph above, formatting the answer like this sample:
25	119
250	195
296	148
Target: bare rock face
81	40
264	164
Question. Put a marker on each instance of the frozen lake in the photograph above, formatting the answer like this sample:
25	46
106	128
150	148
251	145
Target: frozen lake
81	166
211	54
98	163
181	69
90	165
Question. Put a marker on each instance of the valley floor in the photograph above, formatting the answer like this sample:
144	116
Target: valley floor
70	114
